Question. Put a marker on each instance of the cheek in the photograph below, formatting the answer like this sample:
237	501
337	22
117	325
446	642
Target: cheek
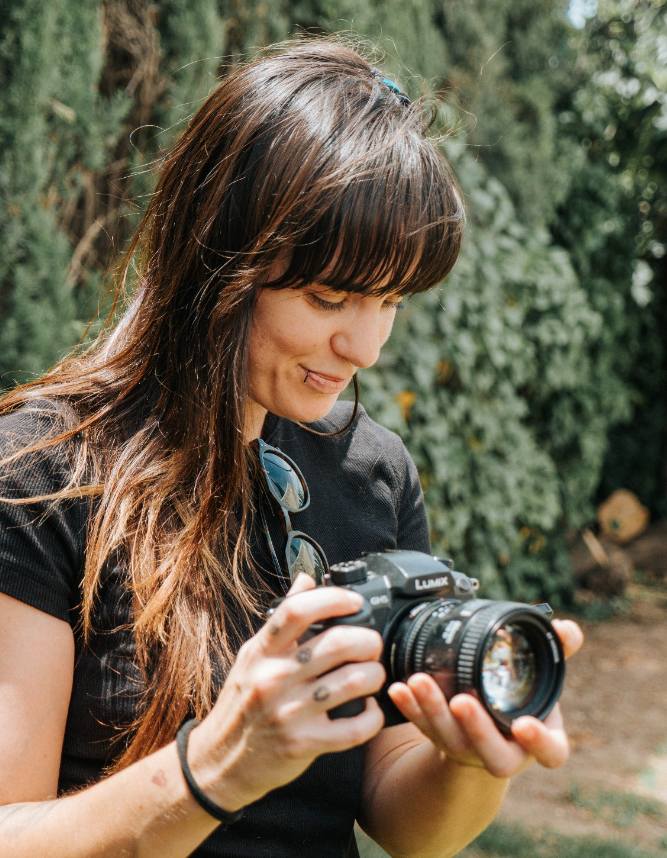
386	328
280	338
272	347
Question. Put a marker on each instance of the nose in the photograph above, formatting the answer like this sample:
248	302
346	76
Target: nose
361	337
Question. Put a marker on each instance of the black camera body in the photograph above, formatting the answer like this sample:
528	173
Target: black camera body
507	654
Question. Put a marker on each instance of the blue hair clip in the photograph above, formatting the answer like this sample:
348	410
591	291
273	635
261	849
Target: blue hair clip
392	86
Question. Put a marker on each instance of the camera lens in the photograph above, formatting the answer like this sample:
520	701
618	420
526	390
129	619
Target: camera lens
505	653
508	670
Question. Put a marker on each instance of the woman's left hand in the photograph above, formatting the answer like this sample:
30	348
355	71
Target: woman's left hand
466	734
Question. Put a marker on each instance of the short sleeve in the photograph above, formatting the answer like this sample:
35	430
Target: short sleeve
41	543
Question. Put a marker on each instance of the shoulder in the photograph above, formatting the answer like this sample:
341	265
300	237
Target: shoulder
362	428
369	441
36	420
24	437
42	538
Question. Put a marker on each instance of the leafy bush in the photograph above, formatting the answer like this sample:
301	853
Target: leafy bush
510	381
613	223
492	384
49	120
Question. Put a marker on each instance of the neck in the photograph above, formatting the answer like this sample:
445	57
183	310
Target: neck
254	421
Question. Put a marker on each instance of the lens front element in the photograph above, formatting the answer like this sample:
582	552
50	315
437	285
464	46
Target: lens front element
508	670
504	653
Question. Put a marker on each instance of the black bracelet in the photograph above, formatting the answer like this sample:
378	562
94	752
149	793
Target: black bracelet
199	796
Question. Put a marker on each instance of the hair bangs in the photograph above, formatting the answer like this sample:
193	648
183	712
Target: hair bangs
394	227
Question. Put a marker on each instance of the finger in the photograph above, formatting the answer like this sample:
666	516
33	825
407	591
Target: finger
301	583
336	646
547	744
422	702
350	682
319	734
300	610
501	756
570	634
342	734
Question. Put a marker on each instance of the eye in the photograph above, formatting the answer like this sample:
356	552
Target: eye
396	304
327	305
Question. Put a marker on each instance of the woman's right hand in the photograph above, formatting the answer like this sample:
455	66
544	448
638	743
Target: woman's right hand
270	721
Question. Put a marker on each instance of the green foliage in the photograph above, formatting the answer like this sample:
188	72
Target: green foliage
512	841
405	31
507	65
48	120
619	808
87	88
507	384
507	337
191	38
613	223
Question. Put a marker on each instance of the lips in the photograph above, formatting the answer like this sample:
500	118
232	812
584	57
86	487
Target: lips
323	382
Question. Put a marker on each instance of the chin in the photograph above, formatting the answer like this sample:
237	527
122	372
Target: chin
312	412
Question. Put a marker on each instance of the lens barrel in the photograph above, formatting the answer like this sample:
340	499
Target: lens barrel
505	653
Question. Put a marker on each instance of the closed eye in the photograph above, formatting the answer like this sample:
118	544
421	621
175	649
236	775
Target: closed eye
327	305
387	304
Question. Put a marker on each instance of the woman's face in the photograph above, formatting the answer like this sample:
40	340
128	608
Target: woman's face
305	346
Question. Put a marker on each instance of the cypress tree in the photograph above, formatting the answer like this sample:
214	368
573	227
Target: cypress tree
50	140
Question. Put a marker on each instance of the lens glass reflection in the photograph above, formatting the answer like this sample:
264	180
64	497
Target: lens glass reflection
284	482
304	557
508	670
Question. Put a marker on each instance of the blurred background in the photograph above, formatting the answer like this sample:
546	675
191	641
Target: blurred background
530	388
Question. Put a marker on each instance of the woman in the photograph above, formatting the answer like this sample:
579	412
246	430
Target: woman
141	545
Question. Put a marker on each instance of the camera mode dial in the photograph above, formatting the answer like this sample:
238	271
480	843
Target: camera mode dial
352	572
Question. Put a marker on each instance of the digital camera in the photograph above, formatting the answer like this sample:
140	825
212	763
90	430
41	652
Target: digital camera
507	654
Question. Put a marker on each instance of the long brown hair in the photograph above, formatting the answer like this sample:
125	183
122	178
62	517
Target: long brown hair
304	155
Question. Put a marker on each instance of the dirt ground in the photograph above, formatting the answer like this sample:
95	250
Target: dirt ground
615	709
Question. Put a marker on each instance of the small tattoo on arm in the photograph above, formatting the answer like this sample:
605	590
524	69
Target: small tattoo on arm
303	655
159	778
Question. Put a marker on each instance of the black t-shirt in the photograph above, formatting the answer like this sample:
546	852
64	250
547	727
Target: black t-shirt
365	496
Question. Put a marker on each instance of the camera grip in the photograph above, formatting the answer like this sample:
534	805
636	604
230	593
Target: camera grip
364	617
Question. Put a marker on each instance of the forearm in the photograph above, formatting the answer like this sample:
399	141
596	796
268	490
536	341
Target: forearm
143	811
425	806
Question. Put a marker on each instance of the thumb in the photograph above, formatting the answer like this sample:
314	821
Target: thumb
301	583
